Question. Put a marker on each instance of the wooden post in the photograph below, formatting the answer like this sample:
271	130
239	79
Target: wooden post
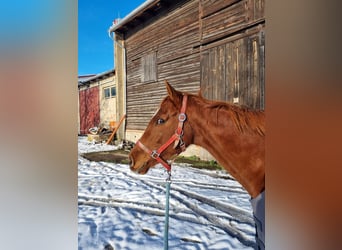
116	129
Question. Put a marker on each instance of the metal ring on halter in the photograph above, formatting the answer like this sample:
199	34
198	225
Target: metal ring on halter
154	154
182	117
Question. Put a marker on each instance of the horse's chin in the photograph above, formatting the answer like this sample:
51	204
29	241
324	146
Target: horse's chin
143	169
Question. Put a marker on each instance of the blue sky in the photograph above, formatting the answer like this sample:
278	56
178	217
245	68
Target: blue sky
95	48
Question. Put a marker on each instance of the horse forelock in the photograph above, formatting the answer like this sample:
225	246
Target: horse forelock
176	103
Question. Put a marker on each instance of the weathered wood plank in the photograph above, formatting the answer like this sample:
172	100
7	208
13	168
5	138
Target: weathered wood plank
214	26
214	45
228	17
234	71
211	6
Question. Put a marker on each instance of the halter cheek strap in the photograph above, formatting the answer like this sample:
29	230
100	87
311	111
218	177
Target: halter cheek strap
177	138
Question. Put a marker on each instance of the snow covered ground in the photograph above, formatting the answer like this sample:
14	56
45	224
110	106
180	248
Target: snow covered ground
208	209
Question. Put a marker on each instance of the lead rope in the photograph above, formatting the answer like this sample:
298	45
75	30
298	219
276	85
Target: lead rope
166	225
155	154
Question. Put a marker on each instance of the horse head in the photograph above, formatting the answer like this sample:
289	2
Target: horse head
161	141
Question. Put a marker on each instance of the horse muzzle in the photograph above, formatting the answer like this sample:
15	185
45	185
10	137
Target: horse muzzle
142	169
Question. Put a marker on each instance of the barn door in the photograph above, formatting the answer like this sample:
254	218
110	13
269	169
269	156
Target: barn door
234	71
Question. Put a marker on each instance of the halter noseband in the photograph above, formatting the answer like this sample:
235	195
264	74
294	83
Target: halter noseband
177	137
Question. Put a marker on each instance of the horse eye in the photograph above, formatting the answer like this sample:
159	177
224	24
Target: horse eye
160	121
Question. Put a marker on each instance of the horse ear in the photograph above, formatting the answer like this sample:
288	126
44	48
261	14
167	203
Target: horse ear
175	95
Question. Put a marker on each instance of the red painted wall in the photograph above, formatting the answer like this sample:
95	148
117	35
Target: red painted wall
89	109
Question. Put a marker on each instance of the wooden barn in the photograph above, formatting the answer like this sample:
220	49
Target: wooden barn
215	45
97	101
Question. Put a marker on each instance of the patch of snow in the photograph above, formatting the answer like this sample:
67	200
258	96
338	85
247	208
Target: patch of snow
116	207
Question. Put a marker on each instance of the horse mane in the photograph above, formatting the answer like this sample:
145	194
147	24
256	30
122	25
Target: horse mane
244	118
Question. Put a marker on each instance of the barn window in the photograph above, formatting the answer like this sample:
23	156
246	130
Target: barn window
109	92
149	67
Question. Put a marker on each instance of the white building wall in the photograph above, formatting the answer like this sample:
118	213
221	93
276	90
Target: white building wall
107	105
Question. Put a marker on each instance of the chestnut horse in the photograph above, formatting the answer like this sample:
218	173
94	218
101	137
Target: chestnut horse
234	135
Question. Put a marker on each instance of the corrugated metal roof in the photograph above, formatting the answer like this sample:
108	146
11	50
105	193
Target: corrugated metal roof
136	12
85	77
95	77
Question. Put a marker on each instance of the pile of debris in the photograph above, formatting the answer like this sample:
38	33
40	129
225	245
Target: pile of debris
99	134
127	145
102	134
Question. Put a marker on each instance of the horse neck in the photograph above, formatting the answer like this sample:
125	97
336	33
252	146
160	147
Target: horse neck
241	154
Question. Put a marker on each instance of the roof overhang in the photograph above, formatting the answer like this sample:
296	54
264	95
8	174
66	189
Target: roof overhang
145	11
97	77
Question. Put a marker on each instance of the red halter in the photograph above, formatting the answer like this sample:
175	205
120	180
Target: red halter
176	137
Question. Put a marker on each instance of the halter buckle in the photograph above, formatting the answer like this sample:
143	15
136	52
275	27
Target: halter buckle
155	154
